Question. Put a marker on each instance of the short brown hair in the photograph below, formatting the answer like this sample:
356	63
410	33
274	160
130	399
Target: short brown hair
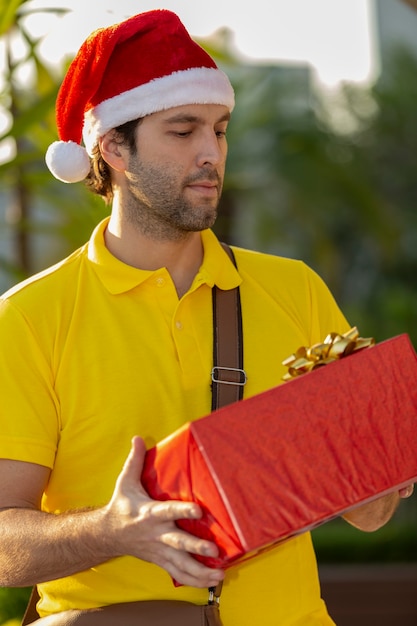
99	179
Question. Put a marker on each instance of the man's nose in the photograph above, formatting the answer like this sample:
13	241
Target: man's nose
212	152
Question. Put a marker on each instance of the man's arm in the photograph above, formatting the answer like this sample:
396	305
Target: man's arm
37	546
372	516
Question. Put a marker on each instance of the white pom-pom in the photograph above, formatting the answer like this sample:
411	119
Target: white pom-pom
68	161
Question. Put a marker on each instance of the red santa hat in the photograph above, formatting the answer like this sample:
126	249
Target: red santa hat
145	64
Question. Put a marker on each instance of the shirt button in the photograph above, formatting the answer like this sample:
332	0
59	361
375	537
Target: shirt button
178	325
160	282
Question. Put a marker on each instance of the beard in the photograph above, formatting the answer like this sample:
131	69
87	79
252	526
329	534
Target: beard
156	201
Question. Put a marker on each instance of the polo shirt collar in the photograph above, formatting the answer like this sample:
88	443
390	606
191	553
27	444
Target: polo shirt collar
118	277
217	268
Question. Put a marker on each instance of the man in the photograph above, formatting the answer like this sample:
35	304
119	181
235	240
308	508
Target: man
114	345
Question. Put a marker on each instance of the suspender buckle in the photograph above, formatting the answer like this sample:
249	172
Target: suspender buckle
228	376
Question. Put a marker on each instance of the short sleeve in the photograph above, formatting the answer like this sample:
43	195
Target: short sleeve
29	411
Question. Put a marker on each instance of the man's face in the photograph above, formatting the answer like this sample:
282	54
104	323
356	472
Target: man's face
175	179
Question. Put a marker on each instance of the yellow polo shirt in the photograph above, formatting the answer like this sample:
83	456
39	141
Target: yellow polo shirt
95	352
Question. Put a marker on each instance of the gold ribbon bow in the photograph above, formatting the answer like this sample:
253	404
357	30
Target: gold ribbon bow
334	347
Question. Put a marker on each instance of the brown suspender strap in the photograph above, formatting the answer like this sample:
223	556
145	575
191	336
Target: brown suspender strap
228	376
31	614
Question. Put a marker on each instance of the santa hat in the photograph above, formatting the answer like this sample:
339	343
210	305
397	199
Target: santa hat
145	64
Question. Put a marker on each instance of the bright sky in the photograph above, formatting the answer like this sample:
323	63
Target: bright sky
332	35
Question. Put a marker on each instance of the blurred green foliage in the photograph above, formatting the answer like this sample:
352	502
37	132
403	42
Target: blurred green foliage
337	542
40	219
333	181
13	603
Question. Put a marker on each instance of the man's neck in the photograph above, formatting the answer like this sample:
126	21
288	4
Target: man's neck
181	256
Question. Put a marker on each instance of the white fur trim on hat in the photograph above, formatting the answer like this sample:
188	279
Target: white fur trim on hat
201	85
68	161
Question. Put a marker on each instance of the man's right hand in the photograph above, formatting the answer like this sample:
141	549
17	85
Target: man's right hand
146	528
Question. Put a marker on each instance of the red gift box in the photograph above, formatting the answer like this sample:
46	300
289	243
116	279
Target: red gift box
296	456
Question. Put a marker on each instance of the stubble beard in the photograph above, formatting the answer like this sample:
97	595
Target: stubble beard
161	212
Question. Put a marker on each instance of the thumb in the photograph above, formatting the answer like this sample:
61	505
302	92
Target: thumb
132	468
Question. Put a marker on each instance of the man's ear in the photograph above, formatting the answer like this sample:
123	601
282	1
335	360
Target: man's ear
113	152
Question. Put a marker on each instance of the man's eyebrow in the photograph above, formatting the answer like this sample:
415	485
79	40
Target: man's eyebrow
188	118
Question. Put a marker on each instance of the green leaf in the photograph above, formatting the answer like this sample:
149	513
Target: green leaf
9	13
8	10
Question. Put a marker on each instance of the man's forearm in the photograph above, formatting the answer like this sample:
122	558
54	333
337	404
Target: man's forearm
36	546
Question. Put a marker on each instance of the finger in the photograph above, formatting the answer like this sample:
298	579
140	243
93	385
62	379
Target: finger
133	465
185	542
407	491
172	510
187	571
185	578
129	477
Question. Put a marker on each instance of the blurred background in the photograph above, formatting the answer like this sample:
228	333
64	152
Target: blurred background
322	167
